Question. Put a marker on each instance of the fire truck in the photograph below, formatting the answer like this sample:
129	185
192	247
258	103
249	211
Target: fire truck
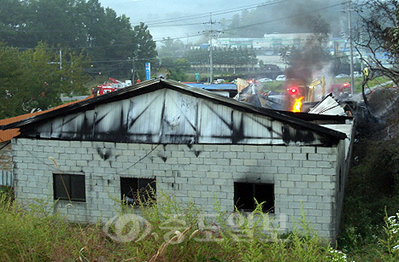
111	86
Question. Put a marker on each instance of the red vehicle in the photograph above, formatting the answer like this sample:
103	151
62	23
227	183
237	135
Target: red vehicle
299	96
338	89
295	96
108	87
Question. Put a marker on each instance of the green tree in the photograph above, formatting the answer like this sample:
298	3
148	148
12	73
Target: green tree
85	25
171	48
35	79
377	37
197	56
144	48
178	68
13	21
52	22
10	71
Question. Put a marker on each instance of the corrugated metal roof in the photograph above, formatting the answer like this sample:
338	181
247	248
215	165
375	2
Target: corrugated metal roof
156	84
225	87
8	134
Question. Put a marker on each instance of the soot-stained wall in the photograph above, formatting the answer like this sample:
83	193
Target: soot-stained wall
301	175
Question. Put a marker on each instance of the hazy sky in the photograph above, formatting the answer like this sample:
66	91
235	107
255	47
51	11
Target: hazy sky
187	19
195	12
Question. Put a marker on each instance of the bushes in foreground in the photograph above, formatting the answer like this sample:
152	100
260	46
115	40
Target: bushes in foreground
168	231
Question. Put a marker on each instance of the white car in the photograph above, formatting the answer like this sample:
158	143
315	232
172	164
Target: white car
341	76
265	80
219	81
357	74
280	78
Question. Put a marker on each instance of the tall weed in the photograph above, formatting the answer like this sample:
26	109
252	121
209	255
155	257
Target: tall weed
391	240
178	232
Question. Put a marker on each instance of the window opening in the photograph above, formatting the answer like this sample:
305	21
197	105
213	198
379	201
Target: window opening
136	190
246	193
69	187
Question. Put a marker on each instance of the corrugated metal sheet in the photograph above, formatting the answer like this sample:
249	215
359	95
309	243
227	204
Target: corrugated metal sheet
6	178
6	135
168	112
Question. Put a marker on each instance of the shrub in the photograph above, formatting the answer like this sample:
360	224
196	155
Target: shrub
167	231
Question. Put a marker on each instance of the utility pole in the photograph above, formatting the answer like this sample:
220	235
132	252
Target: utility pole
211	33
352	77
60	59
351	49
132	58
60	62
211	52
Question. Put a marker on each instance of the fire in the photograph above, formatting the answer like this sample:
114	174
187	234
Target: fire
297	105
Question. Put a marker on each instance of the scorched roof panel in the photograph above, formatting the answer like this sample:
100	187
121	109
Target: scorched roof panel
163	111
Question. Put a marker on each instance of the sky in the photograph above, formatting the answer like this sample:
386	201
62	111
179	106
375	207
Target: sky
187	20
152	12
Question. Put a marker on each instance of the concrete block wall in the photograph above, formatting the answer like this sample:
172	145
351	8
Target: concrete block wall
302	176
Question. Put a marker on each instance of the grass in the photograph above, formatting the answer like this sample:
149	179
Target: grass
175	235
277	85
171	231
371	193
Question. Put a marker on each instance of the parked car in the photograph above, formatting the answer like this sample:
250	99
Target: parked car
219	81
341	76
280	78
265	79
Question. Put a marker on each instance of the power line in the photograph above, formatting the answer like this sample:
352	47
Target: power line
268	21
216	13
176	25
182	37
284	18
203	15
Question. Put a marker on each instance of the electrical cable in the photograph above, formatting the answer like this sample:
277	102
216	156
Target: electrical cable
216	13
268	21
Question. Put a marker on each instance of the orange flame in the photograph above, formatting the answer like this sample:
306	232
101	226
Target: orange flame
297	105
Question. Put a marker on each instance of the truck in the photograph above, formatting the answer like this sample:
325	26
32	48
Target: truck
111	86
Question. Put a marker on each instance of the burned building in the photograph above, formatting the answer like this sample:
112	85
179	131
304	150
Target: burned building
190	143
